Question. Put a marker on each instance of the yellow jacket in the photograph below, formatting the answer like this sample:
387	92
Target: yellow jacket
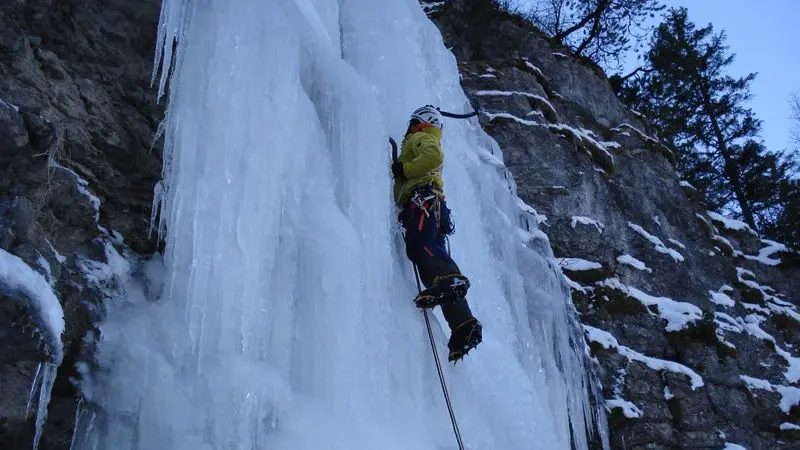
422	159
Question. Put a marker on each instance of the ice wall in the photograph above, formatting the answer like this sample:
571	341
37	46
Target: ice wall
285	320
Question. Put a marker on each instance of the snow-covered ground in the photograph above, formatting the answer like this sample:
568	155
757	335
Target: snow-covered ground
286	319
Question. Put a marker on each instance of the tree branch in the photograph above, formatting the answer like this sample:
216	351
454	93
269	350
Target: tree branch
602	5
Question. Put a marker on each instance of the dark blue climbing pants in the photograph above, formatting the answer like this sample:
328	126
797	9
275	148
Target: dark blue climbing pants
426	248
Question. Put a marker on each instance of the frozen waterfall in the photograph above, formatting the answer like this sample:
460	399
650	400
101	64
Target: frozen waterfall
285	319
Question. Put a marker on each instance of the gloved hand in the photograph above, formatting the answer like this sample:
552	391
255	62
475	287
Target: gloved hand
397	171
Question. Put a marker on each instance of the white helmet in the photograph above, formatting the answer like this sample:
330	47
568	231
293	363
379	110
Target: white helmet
430	115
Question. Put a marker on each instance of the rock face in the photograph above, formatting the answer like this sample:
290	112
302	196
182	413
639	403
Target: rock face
691	318
77	120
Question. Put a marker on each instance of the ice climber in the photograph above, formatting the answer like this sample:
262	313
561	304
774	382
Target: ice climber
418	191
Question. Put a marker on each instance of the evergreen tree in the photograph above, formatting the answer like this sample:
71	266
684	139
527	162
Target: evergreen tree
794	105
700	110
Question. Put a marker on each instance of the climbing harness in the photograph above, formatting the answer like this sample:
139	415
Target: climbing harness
430	337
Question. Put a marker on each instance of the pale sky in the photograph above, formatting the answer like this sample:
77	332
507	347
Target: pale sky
765	36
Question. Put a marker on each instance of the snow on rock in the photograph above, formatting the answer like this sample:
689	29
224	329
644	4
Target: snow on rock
486	75
505	115
82	188
629	410
790	395
578	265
668	395
785	426
764	254
686	184
59	257
430	7
724	323
540	218
587	221
721	298
550	111
633	262
585	138
577	286
657	243
599	151
731	446
560	55
751	325
535	69
730	224
626	126
19	278
677	243
727	244
677	314
609	342
99	273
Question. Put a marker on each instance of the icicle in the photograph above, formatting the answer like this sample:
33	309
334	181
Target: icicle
33	388
82	436
48	379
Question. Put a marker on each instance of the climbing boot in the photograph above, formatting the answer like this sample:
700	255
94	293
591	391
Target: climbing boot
464	338
445	288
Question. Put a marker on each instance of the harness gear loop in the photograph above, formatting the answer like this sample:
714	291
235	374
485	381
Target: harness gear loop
427	198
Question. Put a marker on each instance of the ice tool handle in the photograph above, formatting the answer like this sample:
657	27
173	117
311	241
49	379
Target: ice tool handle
457	116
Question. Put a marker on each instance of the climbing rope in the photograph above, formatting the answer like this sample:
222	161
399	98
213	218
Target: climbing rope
430	336
439	368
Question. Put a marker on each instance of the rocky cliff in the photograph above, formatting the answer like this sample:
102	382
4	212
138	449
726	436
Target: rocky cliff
691	318
77	170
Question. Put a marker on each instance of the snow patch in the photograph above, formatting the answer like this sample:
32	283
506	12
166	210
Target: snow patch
721	298
686	184
730	224
578	287
578	265
541	100
630	410
59	257
656	220
19	278
731	446
587	221
726	243
790	395
764	254
657	243
785	426
540	218
677	314
535	69
633	262
99	273
11	105
668	395
82	188
677	243
609	342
